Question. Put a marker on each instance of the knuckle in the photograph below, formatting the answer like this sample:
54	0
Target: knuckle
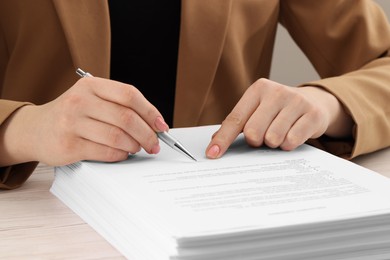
253	138
114	155
234	118
73	100
221	138
254	142
317	113
129	92
297	99
279	91
151	139
115	136
283	119
259	85
273	139
262	82
152	112
291	142
127	117
134	149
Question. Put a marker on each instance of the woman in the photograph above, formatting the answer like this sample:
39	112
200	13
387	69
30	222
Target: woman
223	59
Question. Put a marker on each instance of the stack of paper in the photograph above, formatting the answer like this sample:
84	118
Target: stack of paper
251	204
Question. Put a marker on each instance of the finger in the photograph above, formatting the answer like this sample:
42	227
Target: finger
78	149
99	152
129	96
310	125
128	121
107	134
274	97
281	125
232	126
258	123
298	134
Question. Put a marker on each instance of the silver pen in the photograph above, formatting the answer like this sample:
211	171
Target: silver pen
163	136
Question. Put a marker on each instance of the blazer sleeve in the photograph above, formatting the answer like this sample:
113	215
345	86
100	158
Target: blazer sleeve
13	176
348	43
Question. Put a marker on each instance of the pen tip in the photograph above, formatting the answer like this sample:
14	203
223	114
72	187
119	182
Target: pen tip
190	156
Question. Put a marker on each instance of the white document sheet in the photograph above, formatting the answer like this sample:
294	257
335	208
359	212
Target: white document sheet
248	188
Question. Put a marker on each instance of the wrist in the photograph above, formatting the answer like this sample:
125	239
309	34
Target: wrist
339	121
16	143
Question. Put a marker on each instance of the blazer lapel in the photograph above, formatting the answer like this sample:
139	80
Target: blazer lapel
86	27
202	34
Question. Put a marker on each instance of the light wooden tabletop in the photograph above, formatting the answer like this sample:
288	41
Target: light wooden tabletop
36	225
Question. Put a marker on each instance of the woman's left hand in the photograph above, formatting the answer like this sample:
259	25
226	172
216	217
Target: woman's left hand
281	116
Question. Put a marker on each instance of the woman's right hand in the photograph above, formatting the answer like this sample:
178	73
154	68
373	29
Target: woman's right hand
96	119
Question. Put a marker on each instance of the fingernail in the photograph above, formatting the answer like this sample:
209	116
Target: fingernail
213	152
160	124
155	149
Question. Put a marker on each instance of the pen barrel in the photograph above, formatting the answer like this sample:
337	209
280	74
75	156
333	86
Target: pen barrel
169	140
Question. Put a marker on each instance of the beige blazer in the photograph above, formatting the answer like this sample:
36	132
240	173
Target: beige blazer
225	45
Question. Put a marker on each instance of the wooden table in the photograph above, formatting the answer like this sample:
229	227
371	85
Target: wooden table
36	225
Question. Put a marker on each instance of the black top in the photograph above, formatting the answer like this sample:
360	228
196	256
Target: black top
144	48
